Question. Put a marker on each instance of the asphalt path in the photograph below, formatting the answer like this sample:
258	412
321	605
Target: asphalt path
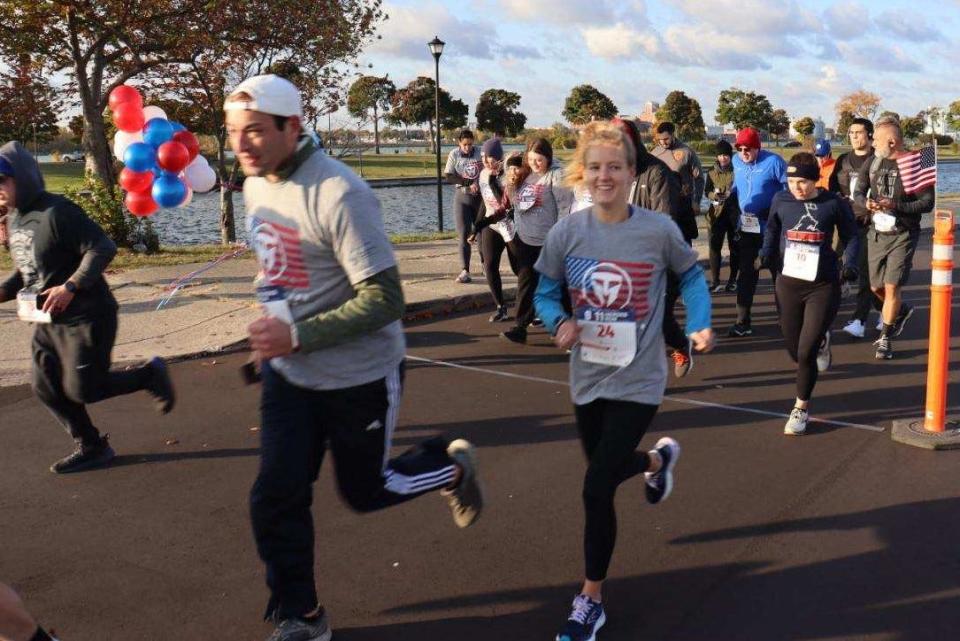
839	534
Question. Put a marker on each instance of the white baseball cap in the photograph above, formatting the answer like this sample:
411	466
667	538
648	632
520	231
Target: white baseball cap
269	94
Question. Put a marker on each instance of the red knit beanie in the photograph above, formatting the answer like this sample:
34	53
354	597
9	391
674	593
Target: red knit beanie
748	138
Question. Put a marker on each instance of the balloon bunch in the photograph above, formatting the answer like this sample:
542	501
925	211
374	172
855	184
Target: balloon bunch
162	162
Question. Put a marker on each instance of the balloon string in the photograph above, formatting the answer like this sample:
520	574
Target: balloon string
176	285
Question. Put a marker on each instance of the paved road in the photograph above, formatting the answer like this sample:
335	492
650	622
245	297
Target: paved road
840	534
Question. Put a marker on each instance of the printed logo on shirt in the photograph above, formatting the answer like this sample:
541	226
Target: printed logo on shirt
807	229
279	253
609	284
21	250
529	196
468	168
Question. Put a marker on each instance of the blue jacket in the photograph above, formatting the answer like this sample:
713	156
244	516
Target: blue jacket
756	184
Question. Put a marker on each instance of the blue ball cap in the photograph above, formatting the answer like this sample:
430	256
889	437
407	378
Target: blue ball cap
6	169
822	148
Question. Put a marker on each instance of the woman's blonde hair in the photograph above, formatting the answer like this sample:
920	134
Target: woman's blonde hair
598	132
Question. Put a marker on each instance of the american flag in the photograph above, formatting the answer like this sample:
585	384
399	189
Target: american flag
918	170
610	284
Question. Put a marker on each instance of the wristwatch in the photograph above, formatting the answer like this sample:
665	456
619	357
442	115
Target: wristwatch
70	286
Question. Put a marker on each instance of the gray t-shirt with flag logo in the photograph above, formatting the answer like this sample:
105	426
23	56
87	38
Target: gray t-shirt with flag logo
466	166
316	234
617	272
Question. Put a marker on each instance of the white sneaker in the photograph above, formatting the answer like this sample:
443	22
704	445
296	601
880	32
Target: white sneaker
464	277
855	328
824	355
797	423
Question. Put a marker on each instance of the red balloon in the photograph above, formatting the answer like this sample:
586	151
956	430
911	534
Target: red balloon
173	156
140	203
128	117
124	94
137	181
189	141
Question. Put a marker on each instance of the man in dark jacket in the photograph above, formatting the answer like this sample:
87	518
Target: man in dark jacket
657	188
59	254
894	228
722	218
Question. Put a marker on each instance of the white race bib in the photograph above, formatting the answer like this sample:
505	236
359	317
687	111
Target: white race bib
749	223
607	337
883	222
801	260
27	309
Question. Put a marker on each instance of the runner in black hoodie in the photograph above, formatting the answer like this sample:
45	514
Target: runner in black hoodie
60	254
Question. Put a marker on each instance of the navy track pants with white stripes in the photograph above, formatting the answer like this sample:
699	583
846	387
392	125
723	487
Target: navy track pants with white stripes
297	426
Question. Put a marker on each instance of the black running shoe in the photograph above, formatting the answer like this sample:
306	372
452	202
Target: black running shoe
85	457
161	387
500	315
884	350
731	286
516	335
536	322
739	330
906	311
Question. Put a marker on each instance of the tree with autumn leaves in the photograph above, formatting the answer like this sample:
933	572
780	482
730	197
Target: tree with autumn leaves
28	102
190	51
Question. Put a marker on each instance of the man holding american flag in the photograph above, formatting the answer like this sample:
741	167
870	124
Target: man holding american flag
897	187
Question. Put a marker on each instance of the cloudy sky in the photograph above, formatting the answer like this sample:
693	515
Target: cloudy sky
801	55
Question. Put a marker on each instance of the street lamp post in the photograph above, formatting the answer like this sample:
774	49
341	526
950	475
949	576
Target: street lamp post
436	48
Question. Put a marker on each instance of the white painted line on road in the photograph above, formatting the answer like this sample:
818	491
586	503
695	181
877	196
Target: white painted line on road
672	399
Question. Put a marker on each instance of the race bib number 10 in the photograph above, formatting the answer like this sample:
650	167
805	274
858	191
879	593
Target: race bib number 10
607	337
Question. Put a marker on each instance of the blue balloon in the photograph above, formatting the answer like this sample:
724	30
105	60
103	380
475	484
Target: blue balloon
168	190
157	131
140	156
177	126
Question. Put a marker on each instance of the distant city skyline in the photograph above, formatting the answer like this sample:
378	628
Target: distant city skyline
802	56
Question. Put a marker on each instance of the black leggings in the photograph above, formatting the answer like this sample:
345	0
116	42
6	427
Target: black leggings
806	312
721	229
749	245
464	213
673	334
610	432
525	257
491	249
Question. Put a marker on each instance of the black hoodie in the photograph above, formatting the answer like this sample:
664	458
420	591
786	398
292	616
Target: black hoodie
53	240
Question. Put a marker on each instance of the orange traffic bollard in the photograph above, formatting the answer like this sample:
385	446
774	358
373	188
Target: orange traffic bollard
941	293
934	431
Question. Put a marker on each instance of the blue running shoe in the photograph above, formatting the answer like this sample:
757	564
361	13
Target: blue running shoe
660	484
586	618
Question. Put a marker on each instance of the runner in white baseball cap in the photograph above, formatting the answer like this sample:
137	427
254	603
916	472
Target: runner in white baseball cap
269	94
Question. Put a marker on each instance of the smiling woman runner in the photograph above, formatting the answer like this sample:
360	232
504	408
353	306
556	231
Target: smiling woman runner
799	239
614	260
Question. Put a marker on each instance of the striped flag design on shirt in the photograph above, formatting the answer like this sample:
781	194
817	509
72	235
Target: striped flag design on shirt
279	252
609	284
918	170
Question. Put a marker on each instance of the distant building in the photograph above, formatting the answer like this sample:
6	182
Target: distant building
649	113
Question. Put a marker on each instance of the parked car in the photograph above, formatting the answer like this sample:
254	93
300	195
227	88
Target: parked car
792	143
73	156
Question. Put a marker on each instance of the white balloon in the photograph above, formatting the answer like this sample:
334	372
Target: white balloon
199	175
124	139
151	111
187	199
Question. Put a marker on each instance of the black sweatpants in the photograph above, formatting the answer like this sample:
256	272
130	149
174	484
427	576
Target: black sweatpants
806	313
492	245
527	278
297	425
723	229
610	432
465	208
866	299
71	367
673	334
750	245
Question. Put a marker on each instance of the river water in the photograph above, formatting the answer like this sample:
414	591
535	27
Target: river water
405	210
